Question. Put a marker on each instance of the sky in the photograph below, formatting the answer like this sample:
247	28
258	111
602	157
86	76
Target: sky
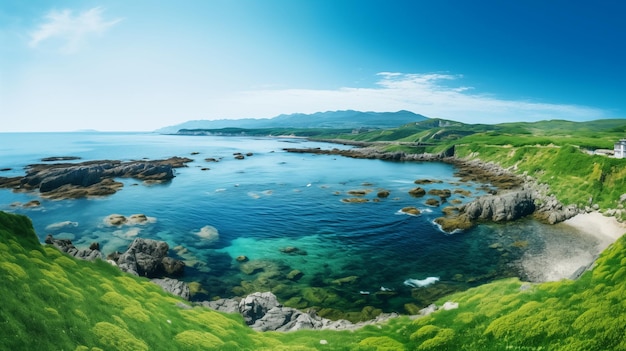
140	65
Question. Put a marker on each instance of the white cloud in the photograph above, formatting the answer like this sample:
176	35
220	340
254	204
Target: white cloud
71	30
429	94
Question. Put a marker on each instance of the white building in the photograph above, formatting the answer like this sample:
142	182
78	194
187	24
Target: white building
620	149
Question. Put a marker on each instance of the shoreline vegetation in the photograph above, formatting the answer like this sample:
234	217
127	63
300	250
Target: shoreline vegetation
514	323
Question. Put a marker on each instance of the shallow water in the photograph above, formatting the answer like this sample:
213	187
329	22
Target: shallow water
273	200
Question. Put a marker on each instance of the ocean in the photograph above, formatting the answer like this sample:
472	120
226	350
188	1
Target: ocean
287	214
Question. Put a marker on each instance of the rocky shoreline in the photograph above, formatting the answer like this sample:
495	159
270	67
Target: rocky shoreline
260	310
514	197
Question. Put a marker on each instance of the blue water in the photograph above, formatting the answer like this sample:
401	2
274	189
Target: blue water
273	200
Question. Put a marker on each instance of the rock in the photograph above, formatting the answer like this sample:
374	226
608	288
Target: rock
455	222
211	159
449	305
147	257
115	219
346	280
242	258
173	286
60	158
427	181
291	250
383	194
137	219
173	267
355	200
359	192
32	203
255	306
432	202
428	310
417	192
263	312
65	245
509	206
295	275
411	210
442	193
223	305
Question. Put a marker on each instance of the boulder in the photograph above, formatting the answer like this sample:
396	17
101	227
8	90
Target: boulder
255	306
506	207
383	194
147	257
223	305
173	286
417	192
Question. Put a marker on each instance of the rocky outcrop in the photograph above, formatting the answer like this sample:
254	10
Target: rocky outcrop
91	178
549	209
65	245
223	305
506	207
262	312
148	258
173	286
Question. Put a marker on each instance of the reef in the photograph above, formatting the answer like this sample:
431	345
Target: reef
90	178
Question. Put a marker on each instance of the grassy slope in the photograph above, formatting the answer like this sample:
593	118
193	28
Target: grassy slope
53	302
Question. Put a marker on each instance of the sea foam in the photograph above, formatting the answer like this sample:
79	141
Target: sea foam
417	283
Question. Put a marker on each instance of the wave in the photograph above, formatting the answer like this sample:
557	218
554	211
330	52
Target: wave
417	283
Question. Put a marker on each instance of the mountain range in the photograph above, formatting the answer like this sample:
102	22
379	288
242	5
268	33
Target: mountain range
329	119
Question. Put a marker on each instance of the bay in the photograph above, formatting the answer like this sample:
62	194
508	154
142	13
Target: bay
286	213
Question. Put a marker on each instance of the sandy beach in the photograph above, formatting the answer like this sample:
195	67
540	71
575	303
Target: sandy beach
606	229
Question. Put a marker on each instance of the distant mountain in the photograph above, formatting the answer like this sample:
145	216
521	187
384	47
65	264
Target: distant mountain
329	119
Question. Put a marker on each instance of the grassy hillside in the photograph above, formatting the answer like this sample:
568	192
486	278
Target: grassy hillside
51	301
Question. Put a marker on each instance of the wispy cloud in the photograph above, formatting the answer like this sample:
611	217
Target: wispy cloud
433	95
70	30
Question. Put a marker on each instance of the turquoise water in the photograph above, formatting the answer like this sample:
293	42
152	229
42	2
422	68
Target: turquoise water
273	200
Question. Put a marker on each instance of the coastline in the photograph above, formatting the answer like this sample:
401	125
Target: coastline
605	229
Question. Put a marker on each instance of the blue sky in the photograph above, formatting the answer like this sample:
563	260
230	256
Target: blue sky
141	65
